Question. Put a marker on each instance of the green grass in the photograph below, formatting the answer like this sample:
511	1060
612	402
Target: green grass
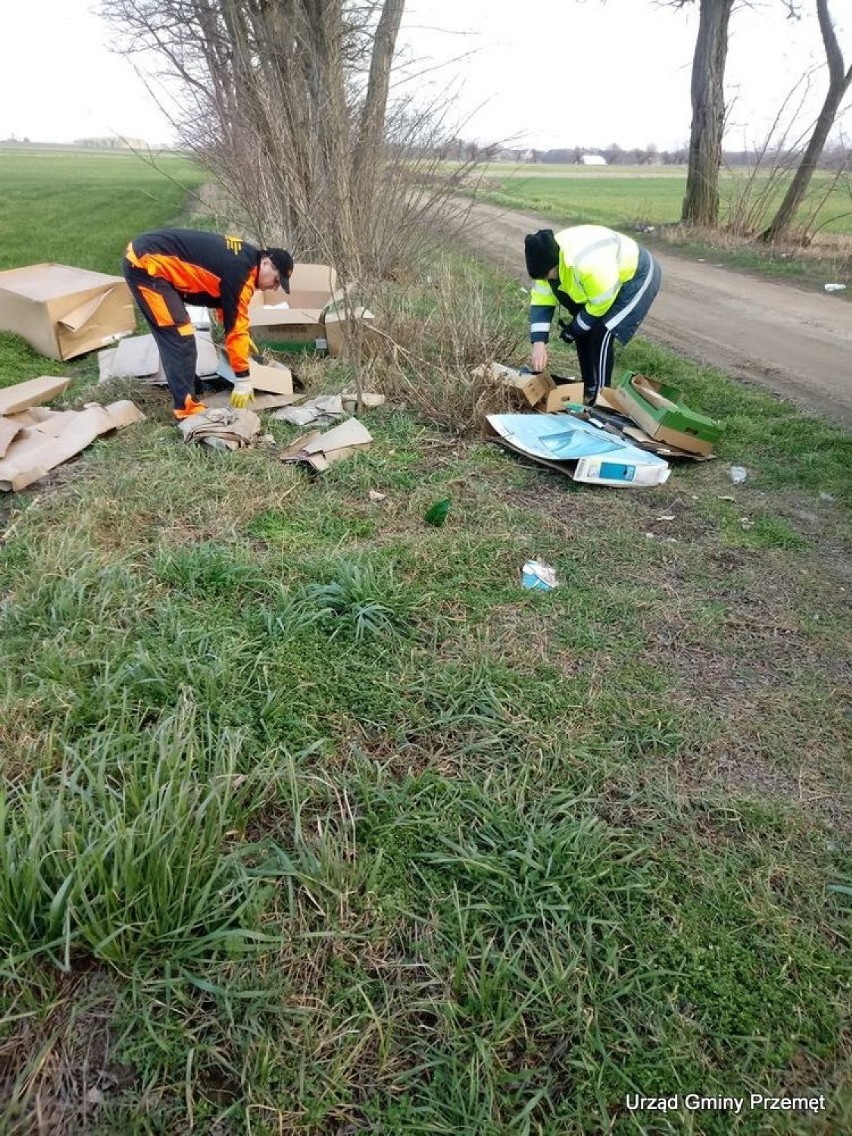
315	821
621	196
81	208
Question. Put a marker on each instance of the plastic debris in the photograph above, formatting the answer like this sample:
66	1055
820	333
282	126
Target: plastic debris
374	495
834	287
436	514
738	474
538	576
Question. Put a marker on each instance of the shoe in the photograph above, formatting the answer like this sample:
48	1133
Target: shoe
190	407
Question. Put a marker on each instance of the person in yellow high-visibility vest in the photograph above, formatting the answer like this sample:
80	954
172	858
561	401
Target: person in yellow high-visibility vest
605	281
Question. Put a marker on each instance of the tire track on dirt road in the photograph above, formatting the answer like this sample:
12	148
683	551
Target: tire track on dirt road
796	343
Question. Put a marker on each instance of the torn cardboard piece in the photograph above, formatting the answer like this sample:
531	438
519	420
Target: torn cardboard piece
369	400
226	428
259	403
33	392
321	409
58	436
319	451
271	379
62	311
138	358
9	430
577	449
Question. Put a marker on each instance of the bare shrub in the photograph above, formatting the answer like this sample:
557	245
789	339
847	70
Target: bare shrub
440	329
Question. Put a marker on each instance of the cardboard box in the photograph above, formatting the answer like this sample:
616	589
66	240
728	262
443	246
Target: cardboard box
561	395
655	406
295	320
63	312
335	323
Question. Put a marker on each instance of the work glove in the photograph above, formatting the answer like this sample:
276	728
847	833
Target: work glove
242	394
565	333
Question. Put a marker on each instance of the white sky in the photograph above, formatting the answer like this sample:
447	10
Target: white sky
551	73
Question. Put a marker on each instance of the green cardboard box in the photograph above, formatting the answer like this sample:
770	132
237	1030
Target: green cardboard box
657	408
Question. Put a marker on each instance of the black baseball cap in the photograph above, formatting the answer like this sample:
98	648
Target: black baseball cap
283	262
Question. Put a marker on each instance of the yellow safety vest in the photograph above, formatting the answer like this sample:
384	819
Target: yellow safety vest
593	264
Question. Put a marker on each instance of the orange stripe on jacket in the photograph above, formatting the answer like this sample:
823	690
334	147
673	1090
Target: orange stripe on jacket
238	339
182	275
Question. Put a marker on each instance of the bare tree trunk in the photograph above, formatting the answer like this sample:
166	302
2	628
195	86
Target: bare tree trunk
701	202
838	85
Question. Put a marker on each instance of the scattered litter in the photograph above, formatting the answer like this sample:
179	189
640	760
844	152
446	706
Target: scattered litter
322	409
726	497
374	495
137	357
834	287
221	429
658	408
667	517
436	514
538	576
47	438
198	317
579	450
826	496
746	523
737	474
369	400
319	451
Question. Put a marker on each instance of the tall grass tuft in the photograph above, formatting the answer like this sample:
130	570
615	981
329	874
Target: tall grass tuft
125	854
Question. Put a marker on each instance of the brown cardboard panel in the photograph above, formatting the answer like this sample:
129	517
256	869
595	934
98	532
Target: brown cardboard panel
259	402
271	380
320	450
33	392
337	326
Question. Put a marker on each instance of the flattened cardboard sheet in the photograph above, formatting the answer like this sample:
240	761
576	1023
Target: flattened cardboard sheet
33	392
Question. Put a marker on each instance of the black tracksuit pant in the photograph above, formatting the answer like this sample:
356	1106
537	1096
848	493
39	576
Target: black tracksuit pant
166	315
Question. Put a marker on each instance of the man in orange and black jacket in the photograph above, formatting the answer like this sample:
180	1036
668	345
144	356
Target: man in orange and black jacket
169	268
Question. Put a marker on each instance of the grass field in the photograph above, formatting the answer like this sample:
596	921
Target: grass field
315	822
627	197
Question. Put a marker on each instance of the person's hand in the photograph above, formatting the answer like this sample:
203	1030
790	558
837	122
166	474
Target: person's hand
538	357
242	394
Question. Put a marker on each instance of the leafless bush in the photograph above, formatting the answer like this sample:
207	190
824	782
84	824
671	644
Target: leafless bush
440	330
298	111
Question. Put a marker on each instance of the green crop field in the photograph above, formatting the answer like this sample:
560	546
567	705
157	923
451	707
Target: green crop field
313	821
81	208
624	195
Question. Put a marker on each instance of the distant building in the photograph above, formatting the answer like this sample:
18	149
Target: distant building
515	155
593	160
112	143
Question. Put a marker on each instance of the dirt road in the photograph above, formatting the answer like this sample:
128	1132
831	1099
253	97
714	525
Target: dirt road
797	343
